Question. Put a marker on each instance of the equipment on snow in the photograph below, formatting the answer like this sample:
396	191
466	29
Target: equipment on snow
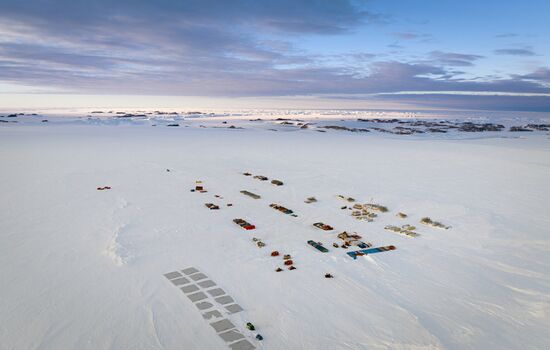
323	227
318	246
362	252
244	224
250	194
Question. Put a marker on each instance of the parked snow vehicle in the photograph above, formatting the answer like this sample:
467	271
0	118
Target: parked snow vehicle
323	227
318	246
362	252
277	182
250	326
212	206
244	224
261	177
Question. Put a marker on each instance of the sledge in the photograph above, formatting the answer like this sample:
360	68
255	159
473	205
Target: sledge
250	194
323	227
277	182
405	230
353	239
429	222
261	177
281	209
376	207
346	199
244	224
212	206
318	246
362	252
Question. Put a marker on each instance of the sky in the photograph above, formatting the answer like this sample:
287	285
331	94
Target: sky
429	54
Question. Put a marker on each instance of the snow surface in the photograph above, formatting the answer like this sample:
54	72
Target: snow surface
83	269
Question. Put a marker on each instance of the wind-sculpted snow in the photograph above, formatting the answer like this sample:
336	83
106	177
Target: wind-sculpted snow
82	268
117	250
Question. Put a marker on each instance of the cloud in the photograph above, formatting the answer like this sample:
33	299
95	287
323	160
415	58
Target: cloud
454	59
410	35
484	102
506	35
296	16
540	75
216	48
515	52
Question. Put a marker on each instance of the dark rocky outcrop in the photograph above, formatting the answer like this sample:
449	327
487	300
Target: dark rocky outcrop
343	128
520	129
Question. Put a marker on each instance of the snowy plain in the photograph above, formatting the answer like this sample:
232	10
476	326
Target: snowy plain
83	269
